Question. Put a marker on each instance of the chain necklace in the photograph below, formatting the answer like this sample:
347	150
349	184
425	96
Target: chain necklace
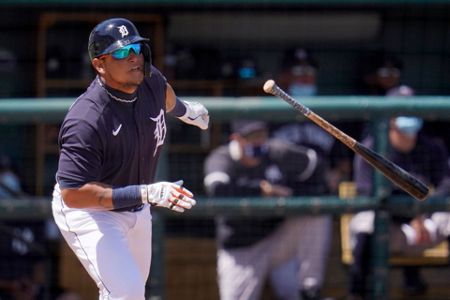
115	97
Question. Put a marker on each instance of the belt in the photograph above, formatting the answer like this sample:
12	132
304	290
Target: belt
136	208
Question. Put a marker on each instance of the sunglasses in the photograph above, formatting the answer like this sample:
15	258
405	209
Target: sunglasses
124	52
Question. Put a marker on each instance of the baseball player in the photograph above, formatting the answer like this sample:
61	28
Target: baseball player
110	143
290	252
422	156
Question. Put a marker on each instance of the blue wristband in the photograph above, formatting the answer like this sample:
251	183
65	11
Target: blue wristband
179	109
127	196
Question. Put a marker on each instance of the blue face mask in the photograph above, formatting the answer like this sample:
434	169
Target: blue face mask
304	90
408	125
256	151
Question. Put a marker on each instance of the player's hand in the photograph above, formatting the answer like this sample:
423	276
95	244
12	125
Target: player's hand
274	190
196	114
169	194
422	235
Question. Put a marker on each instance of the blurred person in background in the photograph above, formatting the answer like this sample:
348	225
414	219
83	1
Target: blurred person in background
422	156
22	273
290	252
10	186
299	78
382	72
298	74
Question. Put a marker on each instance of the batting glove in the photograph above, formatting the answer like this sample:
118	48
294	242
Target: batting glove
196	114
168	194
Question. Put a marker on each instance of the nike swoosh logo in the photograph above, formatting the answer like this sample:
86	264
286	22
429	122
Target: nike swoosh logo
116	132
192	119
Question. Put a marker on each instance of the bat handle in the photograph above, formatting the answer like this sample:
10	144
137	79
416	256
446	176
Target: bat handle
271	87
300	107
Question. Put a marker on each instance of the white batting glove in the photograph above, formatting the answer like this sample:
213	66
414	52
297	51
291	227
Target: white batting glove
168	194
196	114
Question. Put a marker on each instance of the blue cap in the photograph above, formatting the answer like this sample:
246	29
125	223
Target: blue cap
408	125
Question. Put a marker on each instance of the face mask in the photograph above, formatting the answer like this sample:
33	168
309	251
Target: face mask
305	90
256	151
408	125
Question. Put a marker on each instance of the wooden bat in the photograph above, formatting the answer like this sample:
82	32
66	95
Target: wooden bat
393	172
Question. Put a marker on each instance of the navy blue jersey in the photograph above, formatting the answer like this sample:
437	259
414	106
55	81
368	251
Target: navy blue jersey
427	161
118	143
307	134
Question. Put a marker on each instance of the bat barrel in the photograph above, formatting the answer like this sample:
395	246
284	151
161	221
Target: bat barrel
396	174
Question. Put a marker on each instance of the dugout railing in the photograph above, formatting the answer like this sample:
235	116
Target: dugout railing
375	110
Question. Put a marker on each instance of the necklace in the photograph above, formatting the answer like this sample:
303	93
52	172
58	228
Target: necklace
115	97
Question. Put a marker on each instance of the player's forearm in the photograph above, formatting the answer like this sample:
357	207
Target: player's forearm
90	195
96	195
192	113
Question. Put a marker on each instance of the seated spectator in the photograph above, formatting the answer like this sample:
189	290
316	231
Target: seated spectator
422	156
382	72
290	252
299	73
9	181
22	272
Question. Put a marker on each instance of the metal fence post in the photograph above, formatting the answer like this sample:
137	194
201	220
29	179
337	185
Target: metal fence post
380	245
155	284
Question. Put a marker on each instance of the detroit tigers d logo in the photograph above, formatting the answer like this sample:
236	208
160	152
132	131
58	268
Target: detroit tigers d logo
123	30
160	130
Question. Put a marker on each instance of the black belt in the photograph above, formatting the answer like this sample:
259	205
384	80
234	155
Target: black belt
136	208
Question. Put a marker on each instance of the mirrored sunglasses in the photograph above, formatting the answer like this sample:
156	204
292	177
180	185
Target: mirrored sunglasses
124	52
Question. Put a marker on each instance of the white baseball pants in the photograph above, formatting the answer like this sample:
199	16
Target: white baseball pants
114	247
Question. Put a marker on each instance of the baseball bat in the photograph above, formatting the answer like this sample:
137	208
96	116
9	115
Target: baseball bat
393	172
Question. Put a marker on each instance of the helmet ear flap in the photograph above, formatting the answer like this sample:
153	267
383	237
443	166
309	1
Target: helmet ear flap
147	59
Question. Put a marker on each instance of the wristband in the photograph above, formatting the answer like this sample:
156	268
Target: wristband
179	109
127	196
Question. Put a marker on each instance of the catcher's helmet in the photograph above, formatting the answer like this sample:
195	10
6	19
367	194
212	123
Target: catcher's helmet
113	34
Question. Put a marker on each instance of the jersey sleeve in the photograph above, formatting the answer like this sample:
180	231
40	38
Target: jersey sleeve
439	168
157	86
304	171
80	154
218	174
159	78
221	177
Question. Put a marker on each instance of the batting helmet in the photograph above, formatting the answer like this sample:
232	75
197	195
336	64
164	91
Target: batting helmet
113	34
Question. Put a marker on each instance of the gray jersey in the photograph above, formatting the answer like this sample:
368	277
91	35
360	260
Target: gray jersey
289	165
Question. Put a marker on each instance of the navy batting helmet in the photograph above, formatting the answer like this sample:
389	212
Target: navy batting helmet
113	34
